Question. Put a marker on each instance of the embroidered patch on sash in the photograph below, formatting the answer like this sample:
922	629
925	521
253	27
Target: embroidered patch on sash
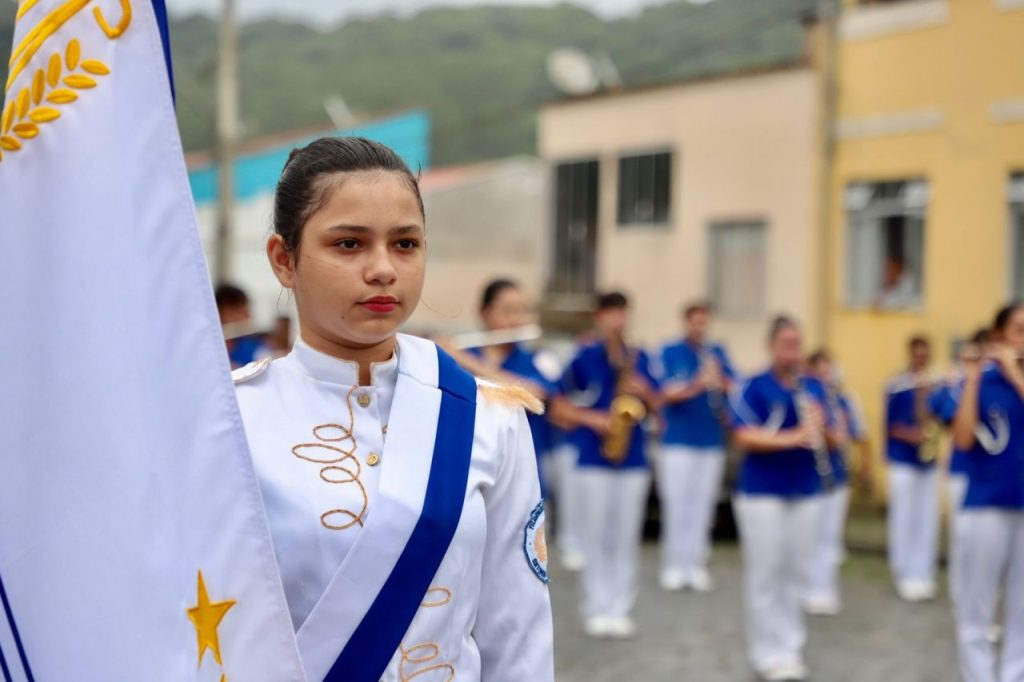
535	543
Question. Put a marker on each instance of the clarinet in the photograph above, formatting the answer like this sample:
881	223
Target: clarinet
709	363
822	461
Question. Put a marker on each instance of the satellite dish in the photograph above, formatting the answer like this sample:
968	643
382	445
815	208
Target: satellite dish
572	72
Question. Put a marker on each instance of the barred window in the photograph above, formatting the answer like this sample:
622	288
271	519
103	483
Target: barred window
645	189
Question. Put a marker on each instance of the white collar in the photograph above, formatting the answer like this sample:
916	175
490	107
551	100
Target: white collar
324	367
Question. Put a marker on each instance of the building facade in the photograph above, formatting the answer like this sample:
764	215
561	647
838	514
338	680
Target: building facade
926	229
705	189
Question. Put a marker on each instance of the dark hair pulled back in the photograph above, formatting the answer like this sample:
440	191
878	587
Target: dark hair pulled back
302	189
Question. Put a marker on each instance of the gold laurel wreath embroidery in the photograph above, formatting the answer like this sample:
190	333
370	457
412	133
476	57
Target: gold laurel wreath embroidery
52	86
56	82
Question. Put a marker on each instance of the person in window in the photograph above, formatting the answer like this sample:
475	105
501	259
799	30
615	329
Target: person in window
913	425
899	289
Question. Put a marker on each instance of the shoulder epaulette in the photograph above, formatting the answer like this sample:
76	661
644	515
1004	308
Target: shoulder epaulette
511	395
250	371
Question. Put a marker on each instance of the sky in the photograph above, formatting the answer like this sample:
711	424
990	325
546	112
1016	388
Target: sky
334	11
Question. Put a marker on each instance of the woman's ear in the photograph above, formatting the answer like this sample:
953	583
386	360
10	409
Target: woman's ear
282	261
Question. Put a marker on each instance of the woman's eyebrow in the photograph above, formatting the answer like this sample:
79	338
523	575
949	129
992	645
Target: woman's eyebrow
362	229
405	229
359	229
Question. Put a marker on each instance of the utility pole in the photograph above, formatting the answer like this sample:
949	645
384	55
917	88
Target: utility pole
227	136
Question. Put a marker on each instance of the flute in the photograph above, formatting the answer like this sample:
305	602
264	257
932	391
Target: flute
498	337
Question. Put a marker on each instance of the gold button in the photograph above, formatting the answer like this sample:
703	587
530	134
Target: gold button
373	459
363	400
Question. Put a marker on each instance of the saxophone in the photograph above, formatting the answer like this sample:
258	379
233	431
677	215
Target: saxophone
822	461
929	449
626	411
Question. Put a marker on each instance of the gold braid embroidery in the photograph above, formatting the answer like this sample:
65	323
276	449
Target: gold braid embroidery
338	462
426	652
446	596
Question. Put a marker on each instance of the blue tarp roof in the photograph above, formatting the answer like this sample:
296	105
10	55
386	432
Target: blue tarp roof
257	173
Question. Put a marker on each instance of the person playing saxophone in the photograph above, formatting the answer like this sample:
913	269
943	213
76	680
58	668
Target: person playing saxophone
603	399
912	446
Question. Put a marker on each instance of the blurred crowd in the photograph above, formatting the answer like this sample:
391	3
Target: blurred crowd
621	419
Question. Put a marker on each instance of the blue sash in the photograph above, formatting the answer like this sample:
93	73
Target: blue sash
8	613
374	642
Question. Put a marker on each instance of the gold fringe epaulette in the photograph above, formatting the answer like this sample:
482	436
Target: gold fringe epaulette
253	369
511	395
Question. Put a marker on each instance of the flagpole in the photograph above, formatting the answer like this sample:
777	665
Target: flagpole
227	136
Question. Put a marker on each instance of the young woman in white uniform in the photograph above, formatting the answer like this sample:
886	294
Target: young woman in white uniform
402	494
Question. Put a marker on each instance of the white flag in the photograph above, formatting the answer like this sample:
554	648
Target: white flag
133	542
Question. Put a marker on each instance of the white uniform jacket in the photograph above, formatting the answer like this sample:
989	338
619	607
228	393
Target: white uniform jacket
344	472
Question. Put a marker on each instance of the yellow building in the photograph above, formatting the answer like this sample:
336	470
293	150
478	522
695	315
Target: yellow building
927	180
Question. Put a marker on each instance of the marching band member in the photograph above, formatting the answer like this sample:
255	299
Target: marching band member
697	377
912	448
400	492
947	399
989	551
782	425
823	597
503	307
606	392
243	344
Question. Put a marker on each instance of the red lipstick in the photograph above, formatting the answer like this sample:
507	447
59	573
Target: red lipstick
380	304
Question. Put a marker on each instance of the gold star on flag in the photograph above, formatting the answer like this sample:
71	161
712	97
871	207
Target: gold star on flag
207	617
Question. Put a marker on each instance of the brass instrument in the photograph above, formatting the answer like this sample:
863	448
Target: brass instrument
822	461
626	412
928	451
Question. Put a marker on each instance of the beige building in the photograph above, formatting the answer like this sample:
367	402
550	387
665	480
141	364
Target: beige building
700	189
484	220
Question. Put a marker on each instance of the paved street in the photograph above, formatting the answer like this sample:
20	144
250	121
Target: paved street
686	636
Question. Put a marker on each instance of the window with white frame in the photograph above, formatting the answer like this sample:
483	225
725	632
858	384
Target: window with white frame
645	189
737	268
885	243
1017	233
